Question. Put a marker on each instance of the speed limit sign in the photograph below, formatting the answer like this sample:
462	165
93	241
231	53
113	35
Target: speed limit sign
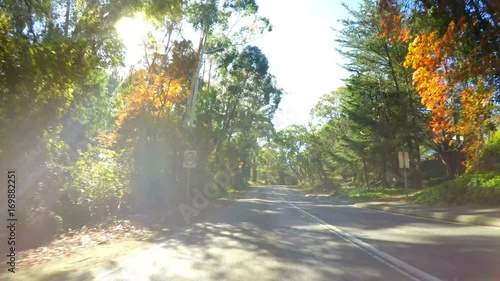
190	159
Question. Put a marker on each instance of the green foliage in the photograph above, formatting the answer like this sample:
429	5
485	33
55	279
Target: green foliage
236	113
98	182
54	57
60	92
238	182
480	189
490	156
272	167
54	61
382	109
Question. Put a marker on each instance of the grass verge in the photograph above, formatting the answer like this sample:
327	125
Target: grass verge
373	193
468	189
340	190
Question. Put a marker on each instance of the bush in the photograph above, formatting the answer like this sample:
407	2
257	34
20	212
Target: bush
478	189
489	159
239	182
98	182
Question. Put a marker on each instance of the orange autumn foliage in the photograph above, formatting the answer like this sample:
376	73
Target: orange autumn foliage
474	117
428	55
392	24
151	95
446	84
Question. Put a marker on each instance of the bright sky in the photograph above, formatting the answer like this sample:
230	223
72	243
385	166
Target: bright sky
301	53
300	50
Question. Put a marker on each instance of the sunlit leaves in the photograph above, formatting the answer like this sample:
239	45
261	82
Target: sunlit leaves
429	56
151	95
164	10
454	93
97	181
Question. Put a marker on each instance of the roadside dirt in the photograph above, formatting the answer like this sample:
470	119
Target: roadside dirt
77	255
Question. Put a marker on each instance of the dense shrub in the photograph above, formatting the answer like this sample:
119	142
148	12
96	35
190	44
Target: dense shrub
479	189
239	181
97	182
490	156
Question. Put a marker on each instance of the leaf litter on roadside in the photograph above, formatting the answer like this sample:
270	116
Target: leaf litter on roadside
74	240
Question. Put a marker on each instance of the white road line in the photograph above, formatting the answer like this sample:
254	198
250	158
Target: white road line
353	205
398	265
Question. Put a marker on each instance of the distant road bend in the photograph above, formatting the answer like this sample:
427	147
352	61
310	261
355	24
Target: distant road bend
275	233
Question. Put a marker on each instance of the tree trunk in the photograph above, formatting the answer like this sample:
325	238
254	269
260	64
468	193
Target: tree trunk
254	171
365	170
416	176
452	160
66	23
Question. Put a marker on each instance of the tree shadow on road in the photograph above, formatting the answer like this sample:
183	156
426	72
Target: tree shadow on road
265	239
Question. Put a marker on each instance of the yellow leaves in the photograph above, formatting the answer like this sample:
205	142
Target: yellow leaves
150	96
106	140
444	83
4	24
5	39
419	51
476	108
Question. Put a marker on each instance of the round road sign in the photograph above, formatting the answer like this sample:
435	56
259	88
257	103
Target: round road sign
189	159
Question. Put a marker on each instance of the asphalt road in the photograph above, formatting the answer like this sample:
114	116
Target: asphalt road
275	233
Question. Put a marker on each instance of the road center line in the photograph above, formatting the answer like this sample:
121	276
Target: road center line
398	265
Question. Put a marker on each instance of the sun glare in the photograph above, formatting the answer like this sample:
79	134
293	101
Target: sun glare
132	32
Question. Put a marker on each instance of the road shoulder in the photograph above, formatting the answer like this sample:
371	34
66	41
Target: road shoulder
63	260
472	216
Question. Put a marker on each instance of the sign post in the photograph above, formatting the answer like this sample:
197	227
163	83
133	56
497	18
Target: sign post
190	159
404	163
